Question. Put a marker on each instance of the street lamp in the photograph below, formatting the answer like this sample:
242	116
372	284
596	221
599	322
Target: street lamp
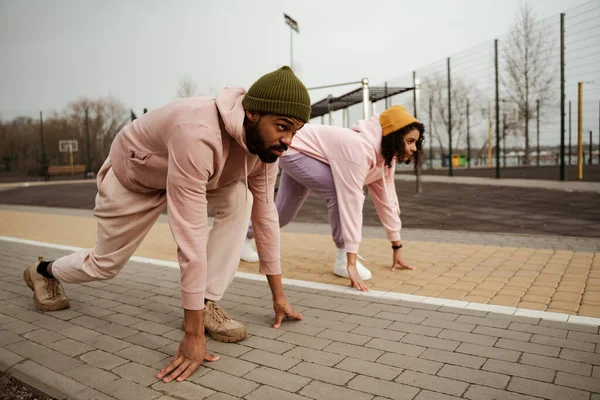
293	27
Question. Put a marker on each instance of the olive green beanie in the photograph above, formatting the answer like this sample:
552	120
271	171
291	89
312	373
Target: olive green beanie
279	92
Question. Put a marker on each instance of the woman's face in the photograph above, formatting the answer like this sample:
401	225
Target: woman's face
410	144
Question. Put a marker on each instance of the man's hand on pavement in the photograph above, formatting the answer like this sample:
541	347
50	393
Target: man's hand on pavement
284	309
191	354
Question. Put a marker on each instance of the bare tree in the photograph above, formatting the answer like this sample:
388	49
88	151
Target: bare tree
106	117
187	88
529	72
434	91
20	149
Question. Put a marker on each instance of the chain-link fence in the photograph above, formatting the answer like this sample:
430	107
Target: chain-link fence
498	104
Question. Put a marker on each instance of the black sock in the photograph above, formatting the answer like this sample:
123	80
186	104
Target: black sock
42	269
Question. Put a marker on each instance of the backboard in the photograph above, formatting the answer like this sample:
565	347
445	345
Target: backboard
65	146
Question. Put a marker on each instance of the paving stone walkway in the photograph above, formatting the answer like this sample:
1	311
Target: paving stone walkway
117	334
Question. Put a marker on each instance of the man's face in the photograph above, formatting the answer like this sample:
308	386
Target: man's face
268	136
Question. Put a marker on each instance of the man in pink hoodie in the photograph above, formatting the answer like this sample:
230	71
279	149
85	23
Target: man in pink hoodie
191	155
336	163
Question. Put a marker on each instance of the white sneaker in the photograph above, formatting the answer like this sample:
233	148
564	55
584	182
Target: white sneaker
340	267
249	254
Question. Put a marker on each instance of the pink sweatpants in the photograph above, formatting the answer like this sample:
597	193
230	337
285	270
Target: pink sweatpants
299	175
124	218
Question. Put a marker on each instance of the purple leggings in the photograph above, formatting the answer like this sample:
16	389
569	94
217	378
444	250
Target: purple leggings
299	175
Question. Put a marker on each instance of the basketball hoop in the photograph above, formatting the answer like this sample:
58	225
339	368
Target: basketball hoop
69	146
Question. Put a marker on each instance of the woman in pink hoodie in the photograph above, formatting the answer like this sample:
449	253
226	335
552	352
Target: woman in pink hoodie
336	163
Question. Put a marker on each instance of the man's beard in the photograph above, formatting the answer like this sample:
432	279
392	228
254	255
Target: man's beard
257	146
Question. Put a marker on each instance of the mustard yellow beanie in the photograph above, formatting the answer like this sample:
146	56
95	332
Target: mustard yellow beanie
395	118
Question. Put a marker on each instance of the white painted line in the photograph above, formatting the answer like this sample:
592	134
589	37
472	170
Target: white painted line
413	298
299	283
348	290
491	308
327	286
542	314
577	319
40	244
445	302
249	276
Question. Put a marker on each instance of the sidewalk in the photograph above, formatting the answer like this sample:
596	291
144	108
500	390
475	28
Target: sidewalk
118	333
534	273
568	186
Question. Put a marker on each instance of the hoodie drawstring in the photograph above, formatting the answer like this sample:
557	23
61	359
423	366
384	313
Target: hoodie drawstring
246	177
266	182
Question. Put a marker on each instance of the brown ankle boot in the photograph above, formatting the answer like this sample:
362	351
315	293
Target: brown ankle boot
220	325
48	294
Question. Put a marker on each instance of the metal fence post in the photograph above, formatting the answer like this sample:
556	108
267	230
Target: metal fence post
562	97
417	167
537	108
44	159
497	111
570	155
88	145
365	86
430	127
580	131
449	121
468	138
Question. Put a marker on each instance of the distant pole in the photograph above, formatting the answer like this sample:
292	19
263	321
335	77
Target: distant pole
449	120
88	144
497	111
44	160
537	106
430	127
415	94
504	140
468	139
562	97
365	87
580	131
599	133
489	155
590	147
569	132
387	102
417	167
293	27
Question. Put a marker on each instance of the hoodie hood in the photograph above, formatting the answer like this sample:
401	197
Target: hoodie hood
371	129
229	104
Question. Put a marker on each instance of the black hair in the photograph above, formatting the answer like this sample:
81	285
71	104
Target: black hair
392	145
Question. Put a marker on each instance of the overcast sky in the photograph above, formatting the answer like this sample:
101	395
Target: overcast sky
137	51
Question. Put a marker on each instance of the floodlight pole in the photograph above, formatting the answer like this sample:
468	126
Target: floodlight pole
293	27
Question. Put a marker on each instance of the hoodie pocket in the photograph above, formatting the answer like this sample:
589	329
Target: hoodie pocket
137	170
138	157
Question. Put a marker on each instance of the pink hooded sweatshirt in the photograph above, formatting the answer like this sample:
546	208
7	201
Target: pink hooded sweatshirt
354	156
188	147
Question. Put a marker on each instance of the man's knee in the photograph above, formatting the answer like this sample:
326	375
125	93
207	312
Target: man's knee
104	268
